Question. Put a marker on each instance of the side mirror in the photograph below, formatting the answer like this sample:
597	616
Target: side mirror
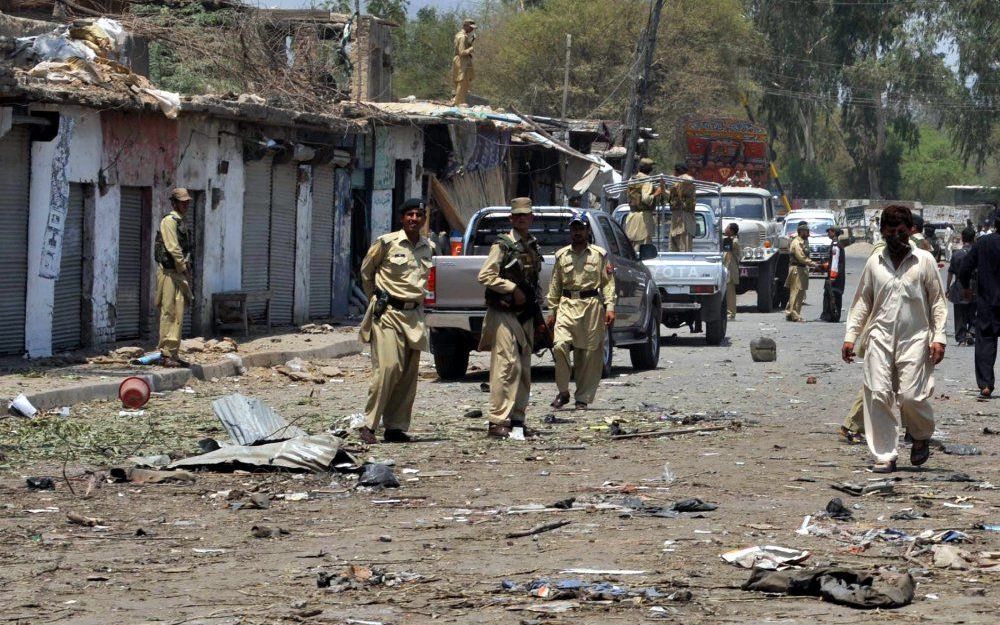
647	251
780	219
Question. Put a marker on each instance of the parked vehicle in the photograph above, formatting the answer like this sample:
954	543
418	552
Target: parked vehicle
455	304
692	284
819	221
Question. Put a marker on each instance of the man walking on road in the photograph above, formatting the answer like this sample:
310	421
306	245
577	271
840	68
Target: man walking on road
984	260
965	308
510	275
394	278
173	250
731	255
462	71
833	287
582	304
798	273
898	318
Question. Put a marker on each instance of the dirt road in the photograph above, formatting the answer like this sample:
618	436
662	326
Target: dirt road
181	553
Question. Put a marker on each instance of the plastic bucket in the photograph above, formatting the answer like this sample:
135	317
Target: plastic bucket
134	392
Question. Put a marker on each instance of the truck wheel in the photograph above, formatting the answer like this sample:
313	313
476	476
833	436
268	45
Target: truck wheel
609	352
451	362
765	288
647	355
715	330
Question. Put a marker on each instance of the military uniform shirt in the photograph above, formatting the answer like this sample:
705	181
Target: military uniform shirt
168	232
581	320
399	268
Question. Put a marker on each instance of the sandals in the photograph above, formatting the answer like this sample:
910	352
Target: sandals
367	435
920	452
884	467
850	436
985	393
561	400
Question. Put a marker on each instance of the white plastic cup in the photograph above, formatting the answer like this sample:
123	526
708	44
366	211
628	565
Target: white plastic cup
23	406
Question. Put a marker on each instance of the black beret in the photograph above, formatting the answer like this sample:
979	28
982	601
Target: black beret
413	202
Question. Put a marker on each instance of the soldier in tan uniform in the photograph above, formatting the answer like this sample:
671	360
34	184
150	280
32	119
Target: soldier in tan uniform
798	272
510	275
173	250
682	208
462	71
394	277
582	304
731	255
640	226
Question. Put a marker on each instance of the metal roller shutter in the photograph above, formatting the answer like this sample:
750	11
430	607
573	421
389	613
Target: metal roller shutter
128	306
321	255
14	178
256	229
282	253
67	310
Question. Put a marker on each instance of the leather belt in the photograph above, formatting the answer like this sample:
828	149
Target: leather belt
799	265
401	304
580	294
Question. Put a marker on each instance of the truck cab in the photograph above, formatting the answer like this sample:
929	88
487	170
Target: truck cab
819	221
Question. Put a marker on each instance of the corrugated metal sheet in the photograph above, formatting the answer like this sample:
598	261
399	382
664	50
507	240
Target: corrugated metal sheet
284	181
256	229
67	310
128	305
321	255
14	179
249	420
305	453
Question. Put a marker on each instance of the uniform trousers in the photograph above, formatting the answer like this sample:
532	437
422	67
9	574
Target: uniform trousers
510	370
395	365
587	367
172	293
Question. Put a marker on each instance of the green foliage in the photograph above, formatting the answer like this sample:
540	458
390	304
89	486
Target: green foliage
930	167
423	54
806	179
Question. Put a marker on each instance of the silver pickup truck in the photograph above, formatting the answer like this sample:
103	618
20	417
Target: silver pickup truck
692	284
455	305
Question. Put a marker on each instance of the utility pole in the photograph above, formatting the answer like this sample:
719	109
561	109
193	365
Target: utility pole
639	89
565	104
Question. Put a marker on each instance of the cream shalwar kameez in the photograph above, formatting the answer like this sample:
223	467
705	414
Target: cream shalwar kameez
400	268
580	327
897	313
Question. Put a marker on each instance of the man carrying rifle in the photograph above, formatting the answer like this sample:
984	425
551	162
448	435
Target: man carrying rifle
582	305
394	276
513	316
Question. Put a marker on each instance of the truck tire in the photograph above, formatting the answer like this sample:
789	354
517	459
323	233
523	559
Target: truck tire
451	361
765	288
647	355
609	353
715	330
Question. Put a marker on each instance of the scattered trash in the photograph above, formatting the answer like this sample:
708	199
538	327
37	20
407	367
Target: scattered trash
667	476
133	392
256	501
538	529
955	477
951	557
693	505
22	407
909	515
148	476
959	506
988	527
357	576
250	421
294	496
312	328
317	453
378	475
264	531
882	487
564	504
551	419
763	349
516	434
959	449
40	483
769	557
147	359
157	461
838	585
475	413
947	536
549	607
601	572
86	521
484	387
988	430
206	445
385	539
811	379
835	510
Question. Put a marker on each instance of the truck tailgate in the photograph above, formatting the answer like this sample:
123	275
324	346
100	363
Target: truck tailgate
457	282
685	268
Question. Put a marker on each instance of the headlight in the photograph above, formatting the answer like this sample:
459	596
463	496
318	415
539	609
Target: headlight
748	252
758	252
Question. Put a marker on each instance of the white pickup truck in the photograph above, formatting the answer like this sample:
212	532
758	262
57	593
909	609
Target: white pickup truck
455	305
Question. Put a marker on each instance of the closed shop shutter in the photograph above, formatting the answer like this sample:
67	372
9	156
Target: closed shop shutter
14	163
67	325
256	229
128	306
321	255
282	253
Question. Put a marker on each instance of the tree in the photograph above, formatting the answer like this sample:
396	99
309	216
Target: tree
392	10
424	53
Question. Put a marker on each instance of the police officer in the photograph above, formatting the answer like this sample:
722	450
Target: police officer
582	304
731	255
462	71
682	207
510	275
798	272
833	286
641	222
173	250
394	276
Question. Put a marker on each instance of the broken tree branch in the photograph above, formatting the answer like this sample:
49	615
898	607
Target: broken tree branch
659	433
538	529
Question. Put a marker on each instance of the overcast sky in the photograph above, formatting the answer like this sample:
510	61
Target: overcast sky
304	4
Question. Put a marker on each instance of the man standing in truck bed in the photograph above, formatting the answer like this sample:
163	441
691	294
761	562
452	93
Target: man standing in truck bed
582	308
510	275
641	222
682	206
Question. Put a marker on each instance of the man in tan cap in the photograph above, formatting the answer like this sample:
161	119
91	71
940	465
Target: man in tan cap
394	276
682	208
510	275
641	223
462	71
173	251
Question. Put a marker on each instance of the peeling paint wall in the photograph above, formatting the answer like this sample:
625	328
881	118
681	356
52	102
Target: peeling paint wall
303	247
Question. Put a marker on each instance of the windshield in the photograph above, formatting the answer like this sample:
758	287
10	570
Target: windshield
551	231
740	206
663	242
817	227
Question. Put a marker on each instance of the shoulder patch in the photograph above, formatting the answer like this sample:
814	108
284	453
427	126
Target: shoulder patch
600	250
